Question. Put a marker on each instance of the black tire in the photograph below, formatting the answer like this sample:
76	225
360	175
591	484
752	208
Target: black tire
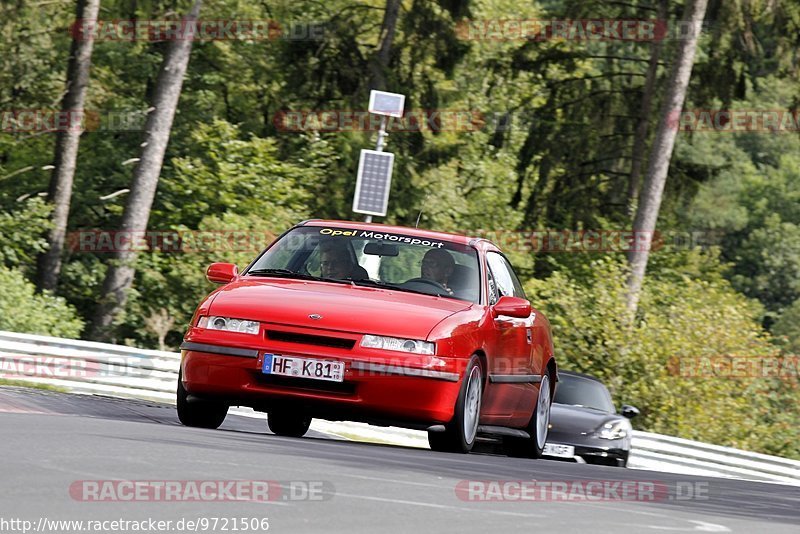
532	447
460	433
289	424
199	413
623	462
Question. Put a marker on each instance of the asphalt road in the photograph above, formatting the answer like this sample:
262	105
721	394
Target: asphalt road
58	449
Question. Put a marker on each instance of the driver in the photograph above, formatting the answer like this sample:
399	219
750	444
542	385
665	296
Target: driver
438	265
337	263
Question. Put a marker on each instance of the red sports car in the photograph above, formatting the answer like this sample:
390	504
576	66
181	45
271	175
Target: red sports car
379	324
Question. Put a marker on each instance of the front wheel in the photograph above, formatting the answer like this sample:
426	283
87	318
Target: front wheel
460	432
199	413
289	424
533	446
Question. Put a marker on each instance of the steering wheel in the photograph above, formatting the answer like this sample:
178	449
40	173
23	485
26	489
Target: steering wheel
433	283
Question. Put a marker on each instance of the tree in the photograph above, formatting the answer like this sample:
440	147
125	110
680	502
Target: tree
648	92
661	153
380	62
66	155
119	277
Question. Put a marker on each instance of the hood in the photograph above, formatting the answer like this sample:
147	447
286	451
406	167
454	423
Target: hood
343	307
577	420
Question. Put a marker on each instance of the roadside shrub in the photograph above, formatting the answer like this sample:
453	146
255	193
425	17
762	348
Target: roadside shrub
22	310
684	322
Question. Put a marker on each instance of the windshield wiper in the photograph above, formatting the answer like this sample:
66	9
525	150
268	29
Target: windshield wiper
371	283
286	273
385	285
381	285
281	273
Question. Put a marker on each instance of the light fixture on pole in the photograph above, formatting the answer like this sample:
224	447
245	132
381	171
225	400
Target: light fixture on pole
374	177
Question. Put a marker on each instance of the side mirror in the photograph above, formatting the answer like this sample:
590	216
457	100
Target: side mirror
629	411
222	273
512	307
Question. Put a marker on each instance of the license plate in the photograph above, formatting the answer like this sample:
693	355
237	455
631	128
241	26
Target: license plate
280	364
558	450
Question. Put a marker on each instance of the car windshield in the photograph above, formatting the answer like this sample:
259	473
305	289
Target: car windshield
376	259
580	391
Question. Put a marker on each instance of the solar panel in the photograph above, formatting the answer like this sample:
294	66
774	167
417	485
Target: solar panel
383	103
373	182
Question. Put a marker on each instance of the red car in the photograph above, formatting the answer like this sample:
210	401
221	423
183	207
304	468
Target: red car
379	324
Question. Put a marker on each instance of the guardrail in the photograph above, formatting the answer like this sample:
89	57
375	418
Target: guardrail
666	453
89	367
102	368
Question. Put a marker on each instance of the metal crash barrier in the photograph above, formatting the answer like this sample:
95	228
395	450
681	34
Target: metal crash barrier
100	368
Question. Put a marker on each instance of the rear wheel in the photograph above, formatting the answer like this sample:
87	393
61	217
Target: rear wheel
533	446
199	413
290	424
460	432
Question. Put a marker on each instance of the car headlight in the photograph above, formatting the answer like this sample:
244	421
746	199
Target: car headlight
229	324
614	430
413	346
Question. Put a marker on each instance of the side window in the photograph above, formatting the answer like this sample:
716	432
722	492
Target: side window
504	277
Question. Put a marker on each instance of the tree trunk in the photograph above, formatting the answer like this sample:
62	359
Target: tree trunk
640	137
653	188
66	153
121	271
380	62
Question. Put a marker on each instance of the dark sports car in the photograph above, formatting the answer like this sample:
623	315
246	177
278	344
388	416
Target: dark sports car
585	426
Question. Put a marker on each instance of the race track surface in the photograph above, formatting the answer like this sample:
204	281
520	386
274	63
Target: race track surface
56	445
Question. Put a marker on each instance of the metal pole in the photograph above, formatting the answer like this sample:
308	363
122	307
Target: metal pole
381	134
379	148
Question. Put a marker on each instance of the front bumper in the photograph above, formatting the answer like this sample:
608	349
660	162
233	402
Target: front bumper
594	450
377	386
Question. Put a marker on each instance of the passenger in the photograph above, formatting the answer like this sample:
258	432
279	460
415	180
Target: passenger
438	265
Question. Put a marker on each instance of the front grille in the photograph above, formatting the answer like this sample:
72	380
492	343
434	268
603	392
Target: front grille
311	339
291	382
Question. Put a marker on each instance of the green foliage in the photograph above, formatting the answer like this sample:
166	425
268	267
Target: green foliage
756	208
787	328
35	385
682	319
22	232
228	173
21	310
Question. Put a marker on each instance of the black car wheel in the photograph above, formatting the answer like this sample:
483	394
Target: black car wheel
460	432
287	423
199	413
537	428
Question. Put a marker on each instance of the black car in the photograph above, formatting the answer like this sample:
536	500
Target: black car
585	426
